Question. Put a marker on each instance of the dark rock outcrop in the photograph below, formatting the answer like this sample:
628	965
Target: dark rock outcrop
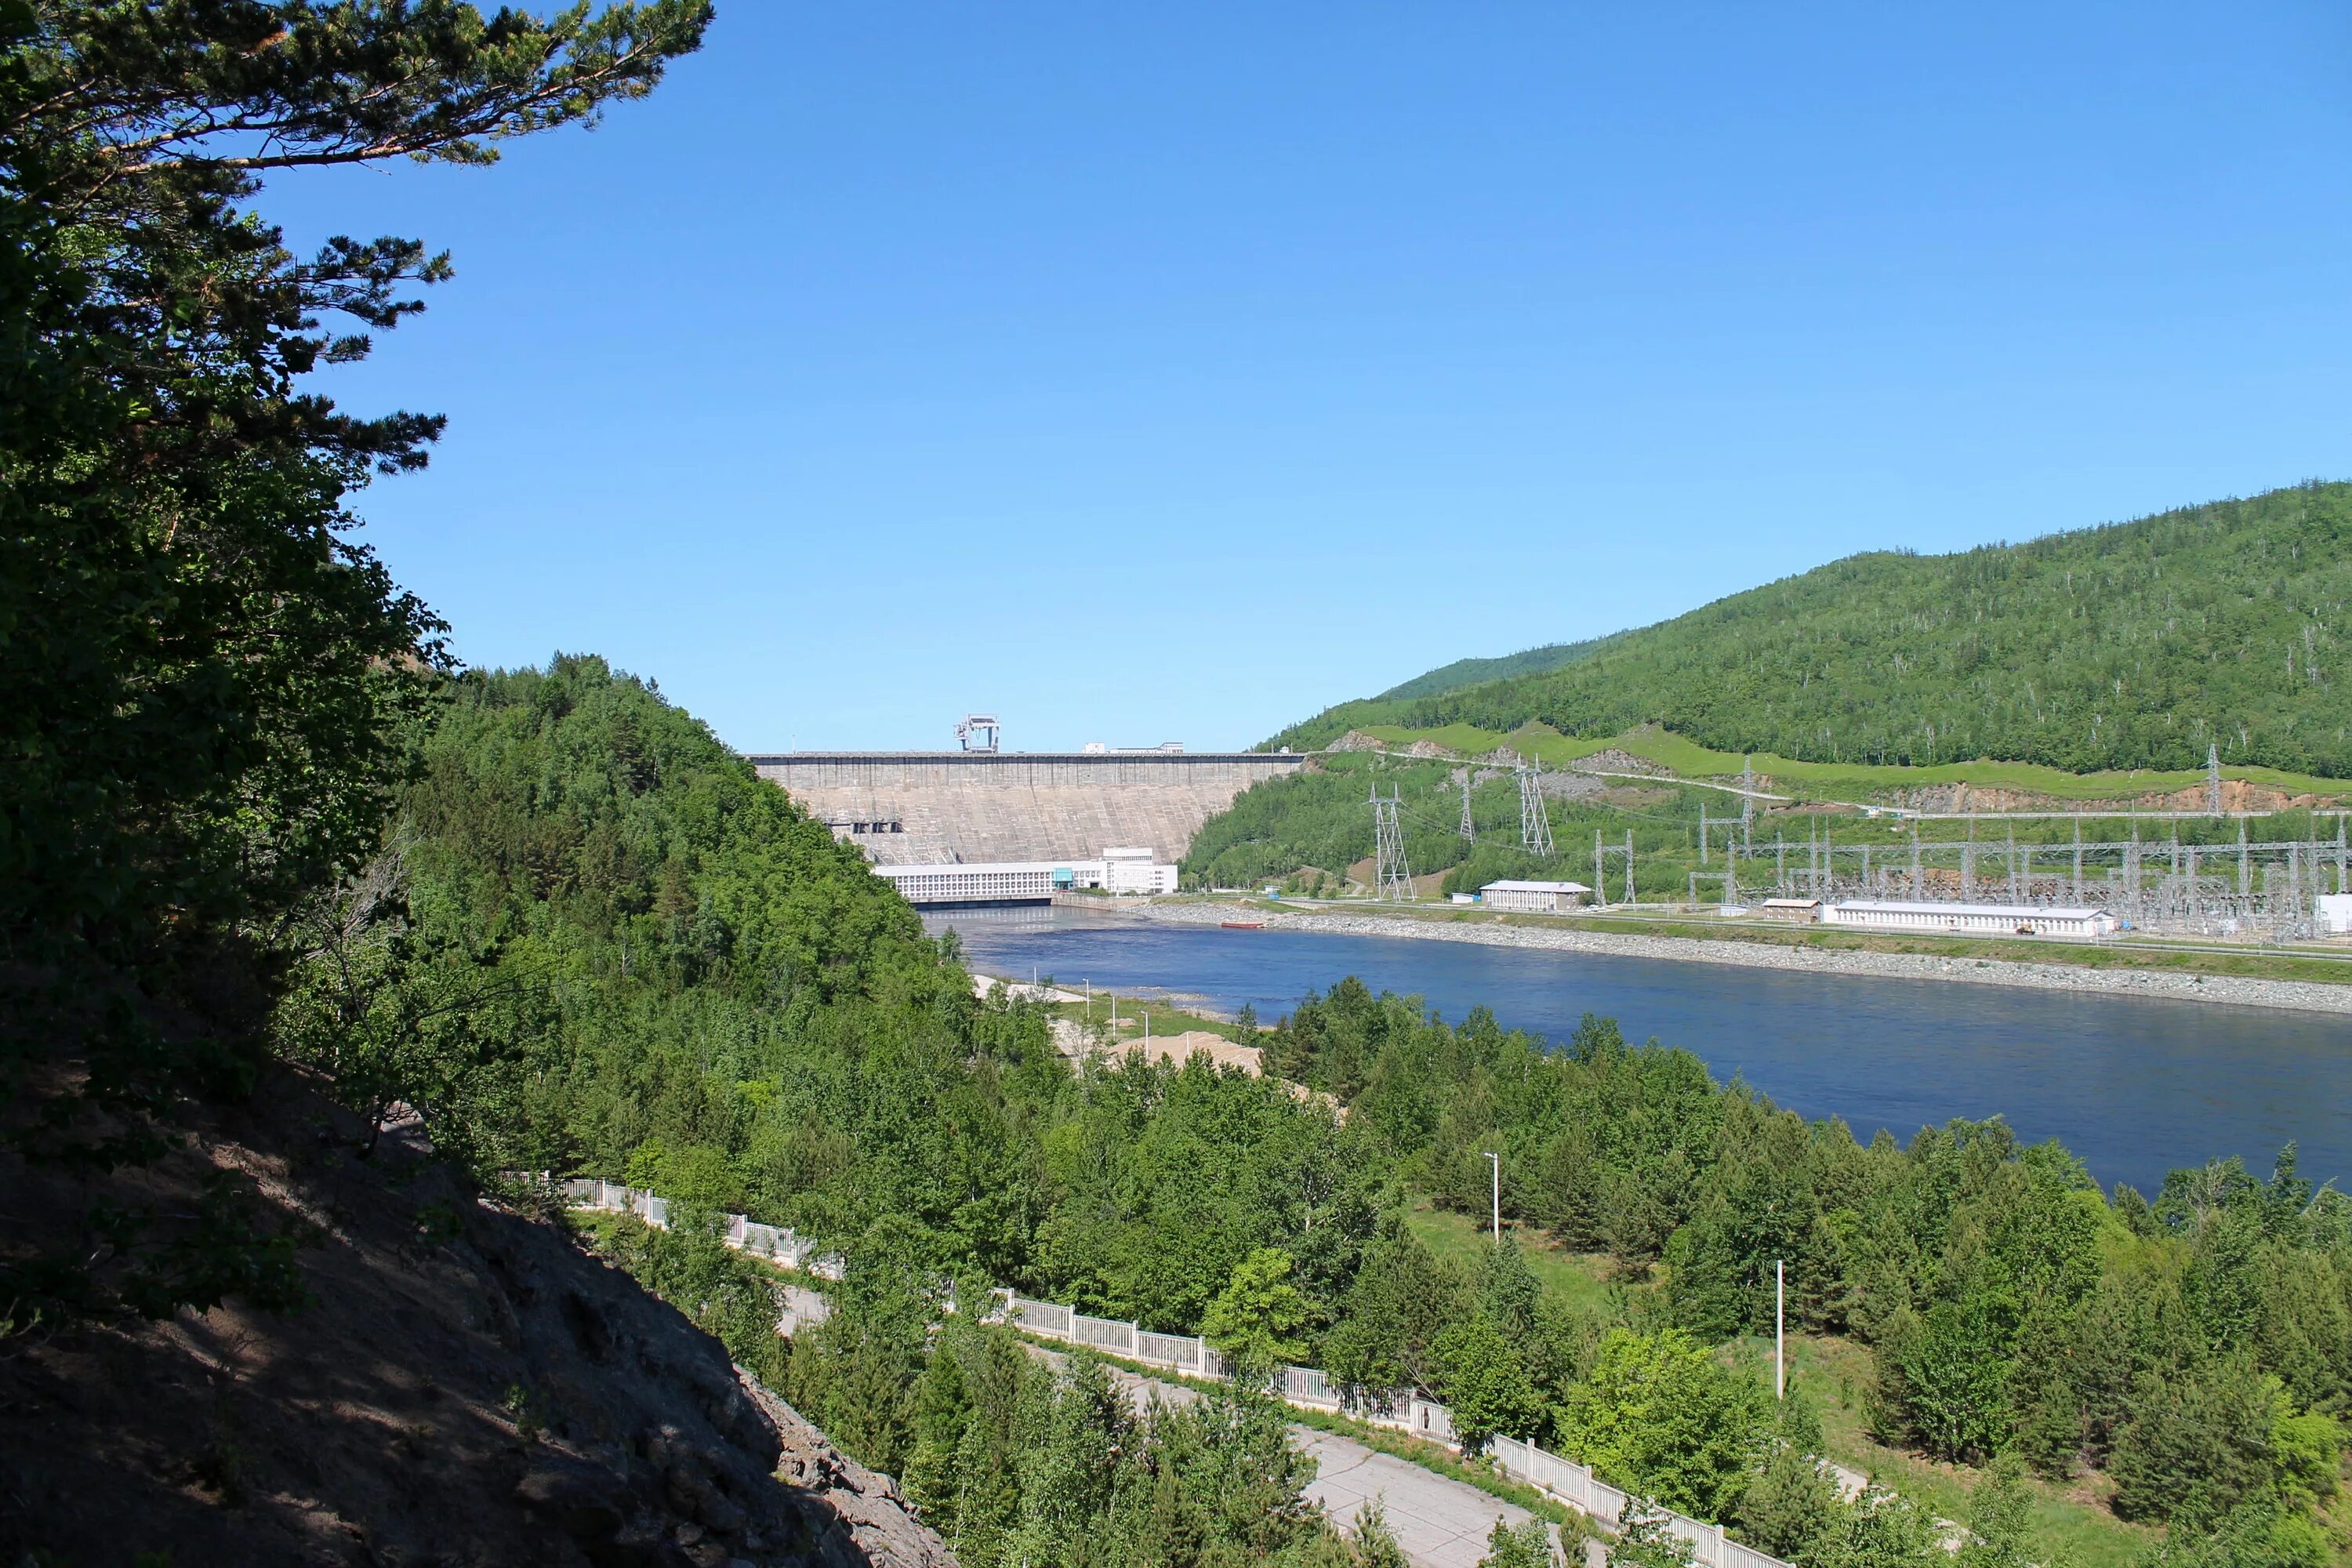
468	1387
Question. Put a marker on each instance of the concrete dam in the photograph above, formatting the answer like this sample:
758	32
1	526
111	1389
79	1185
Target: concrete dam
927	808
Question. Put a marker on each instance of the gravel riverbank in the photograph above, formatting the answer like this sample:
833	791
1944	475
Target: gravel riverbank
2297	995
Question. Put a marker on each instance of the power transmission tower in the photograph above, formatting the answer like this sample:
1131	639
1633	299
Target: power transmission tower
1601	854
1469	829
1705	822
1390	872
1748	803
1534	822
2213	779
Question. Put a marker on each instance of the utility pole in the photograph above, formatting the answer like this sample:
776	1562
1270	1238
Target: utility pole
1469	831
1600	879
2078	857
1495	1163
1395	877
2015	897
1747	802
1968	863
1628	867
2213	778
1919	886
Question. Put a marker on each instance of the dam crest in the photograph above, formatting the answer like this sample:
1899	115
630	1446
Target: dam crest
921	808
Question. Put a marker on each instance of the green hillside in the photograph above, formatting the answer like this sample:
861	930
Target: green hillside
2131	646
1464	672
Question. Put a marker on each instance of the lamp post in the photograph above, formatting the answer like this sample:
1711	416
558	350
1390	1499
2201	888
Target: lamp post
1495	1163
1779	1330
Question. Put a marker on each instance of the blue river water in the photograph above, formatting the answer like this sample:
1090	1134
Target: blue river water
2133	1087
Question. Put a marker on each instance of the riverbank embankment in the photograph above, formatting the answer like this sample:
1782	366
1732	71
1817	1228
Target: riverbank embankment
2295	996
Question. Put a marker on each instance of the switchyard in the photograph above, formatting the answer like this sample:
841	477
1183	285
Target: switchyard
2211	873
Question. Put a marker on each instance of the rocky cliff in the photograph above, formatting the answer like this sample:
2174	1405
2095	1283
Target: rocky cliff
466	1387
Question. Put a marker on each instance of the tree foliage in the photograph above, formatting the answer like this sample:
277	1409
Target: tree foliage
208	675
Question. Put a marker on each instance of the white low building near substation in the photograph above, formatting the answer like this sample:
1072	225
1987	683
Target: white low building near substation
1532	898
1988	920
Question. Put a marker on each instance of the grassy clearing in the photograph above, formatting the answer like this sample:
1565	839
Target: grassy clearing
1837	1372
1848	781
2070	1521
1166	1020
1579	1281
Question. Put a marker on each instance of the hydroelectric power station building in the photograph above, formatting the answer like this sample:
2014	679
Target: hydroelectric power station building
1128	869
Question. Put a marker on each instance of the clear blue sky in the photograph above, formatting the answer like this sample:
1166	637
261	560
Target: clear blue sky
1149	374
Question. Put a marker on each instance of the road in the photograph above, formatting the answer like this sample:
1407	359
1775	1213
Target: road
1439	1522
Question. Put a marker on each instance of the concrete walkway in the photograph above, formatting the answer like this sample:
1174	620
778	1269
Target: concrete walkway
1440	1523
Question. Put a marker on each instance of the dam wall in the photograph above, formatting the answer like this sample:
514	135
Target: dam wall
917	808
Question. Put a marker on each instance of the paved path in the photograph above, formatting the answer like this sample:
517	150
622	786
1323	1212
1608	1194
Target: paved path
1440	1523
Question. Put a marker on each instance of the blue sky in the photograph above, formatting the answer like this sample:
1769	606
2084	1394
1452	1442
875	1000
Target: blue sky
1148	374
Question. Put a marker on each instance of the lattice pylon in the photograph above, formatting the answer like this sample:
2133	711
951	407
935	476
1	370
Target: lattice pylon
1534	822
1391	874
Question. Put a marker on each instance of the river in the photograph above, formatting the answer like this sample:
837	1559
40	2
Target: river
2133	1087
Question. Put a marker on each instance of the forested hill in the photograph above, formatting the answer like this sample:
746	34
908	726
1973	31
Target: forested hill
2134	645
1464	672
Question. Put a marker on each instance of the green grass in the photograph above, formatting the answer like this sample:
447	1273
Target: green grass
2069	1521
1166	1020
1580	1281
1845	781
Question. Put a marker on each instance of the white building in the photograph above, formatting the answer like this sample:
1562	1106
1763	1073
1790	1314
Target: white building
1132	869
1532	898
1120	870
1986	920
2334	913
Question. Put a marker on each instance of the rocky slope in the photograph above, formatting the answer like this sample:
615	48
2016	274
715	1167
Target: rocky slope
467	1386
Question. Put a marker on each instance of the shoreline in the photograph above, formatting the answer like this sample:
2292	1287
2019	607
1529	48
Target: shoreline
2289	995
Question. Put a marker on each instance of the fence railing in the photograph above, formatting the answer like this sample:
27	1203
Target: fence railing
776	1243
1403	1409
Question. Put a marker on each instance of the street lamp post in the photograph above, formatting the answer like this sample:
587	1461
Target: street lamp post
1495	1163
1779	1330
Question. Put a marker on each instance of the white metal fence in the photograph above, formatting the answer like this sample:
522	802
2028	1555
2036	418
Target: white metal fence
773	1242
1402	1409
